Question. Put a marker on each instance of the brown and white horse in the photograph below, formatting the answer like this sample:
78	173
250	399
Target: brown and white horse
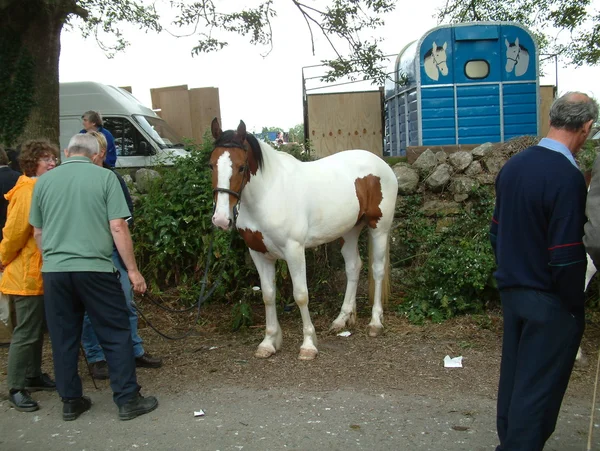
282	206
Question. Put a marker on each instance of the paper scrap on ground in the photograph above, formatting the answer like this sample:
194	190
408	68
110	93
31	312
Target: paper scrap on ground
345	334
199	413
455	362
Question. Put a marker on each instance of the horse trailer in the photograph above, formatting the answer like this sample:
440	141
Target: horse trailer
465	83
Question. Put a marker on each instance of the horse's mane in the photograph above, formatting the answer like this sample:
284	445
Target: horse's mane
520	46
229	138
429	52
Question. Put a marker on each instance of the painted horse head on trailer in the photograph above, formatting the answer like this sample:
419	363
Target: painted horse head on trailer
281	206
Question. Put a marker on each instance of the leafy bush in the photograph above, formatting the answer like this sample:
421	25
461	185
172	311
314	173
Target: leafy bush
450	269
587	156
173	229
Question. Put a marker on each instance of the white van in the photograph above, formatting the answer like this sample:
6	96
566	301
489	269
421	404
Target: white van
142	138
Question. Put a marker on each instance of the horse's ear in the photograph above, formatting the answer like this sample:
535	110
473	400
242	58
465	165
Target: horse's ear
445	45
241	131
215	128
506	42
434	46
517	42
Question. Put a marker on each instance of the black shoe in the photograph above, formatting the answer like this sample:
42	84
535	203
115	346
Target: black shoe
137	406
21	400
42	382
72	408
99	370
147	361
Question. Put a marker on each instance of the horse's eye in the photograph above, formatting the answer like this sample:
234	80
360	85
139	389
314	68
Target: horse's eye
242	169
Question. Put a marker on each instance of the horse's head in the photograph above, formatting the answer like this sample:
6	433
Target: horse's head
234	160
512	54
439	57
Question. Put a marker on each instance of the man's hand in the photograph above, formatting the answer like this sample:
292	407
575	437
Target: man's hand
137	281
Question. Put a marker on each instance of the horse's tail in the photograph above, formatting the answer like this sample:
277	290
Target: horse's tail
385	283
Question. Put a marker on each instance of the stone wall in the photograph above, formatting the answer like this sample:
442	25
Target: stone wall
458	173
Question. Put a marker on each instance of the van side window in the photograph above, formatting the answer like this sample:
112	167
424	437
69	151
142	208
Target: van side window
127	138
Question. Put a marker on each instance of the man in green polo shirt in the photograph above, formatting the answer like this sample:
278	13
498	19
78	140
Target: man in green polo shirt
76	216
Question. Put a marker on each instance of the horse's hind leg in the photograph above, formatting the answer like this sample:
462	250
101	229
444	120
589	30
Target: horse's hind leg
296	261
378	243
347	314
273	337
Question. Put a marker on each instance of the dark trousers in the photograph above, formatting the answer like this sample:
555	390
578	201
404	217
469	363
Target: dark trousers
67	295
25	352
541	337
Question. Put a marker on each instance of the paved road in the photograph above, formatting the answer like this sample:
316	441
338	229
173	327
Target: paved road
291	419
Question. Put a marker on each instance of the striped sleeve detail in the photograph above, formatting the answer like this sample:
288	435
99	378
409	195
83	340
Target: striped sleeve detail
567	254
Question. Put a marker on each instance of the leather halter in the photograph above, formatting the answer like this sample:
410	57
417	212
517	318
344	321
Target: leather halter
516	58
236	194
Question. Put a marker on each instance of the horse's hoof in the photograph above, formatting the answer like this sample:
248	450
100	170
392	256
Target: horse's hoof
337	326
307	354
263	353
375	331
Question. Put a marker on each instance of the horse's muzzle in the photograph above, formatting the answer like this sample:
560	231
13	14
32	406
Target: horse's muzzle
221	221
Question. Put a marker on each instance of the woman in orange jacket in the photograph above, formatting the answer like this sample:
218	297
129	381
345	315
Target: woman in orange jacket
22	280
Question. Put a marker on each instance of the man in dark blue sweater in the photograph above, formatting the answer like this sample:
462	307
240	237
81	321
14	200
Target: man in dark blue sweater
92	120
537	234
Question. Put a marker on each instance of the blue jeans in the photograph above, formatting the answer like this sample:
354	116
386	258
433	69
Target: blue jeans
91	345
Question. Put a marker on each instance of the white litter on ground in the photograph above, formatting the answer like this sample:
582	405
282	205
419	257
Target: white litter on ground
455	362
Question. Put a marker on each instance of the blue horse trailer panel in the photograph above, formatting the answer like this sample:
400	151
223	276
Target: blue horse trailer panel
467	83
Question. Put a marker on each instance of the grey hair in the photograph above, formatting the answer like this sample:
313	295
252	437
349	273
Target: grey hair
94	117
84	144
572	110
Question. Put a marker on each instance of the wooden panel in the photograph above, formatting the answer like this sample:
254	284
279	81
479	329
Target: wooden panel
547	94
155	95
175	109
343	121
204	107
413	152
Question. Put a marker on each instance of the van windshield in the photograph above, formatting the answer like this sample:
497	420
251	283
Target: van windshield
159	131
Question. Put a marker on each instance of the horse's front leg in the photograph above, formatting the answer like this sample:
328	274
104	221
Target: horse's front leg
296	262
273	337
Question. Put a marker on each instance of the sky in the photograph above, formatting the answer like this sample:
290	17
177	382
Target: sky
263	91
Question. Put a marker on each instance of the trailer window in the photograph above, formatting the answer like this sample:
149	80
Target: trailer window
477	69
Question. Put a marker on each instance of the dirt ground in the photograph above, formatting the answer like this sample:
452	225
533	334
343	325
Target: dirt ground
407	357
406	364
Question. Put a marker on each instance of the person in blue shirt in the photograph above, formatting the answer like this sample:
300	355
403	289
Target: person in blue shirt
92	121
537	235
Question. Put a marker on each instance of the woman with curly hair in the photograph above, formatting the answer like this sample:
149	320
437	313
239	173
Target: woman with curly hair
22	279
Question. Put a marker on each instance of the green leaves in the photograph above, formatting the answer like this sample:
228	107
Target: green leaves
342	22
452	268
16	86
546	18
173	229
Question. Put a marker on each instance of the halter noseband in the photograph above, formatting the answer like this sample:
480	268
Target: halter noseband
516	58
435	61
238	194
